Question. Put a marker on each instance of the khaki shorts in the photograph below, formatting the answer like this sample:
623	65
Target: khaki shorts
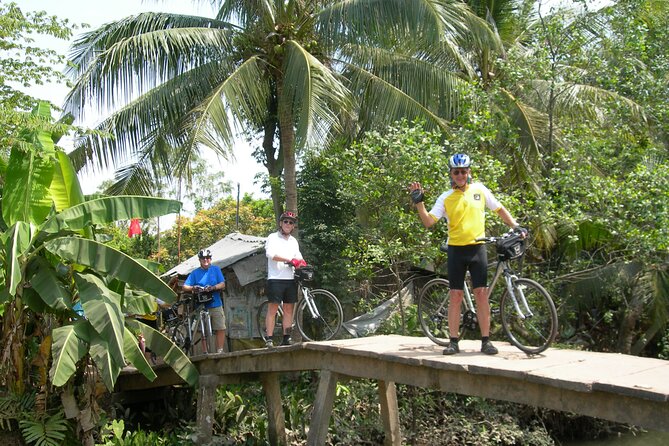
217	316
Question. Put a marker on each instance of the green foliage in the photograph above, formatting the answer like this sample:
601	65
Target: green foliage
393	324
45	431
49	262
256	217
24	64
115	434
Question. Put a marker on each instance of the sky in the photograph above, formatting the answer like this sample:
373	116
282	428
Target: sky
96	13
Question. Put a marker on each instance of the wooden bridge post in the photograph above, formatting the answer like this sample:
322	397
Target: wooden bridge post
320	417
275	418
206	402
389	413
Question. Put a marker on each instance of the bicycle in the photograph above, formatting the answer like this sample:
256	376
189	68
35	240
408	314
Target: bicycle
193	327
528	314
318	313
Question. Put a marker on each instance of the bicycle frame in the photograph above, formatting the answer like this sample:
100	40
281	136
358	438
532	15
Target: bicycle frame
309	303
196	318
502	269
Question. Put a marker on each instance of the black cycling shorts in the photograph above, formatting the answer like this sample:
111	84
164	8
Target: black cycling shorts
470	257
281	291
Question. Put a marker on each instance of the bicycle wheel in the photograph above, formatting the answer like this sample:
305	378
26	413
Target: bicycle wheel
533	333
260	321
326	324
181	338
433	311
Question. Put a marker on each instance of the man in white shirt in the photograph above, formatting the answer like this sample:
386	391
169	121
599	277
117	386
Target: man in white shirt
283	254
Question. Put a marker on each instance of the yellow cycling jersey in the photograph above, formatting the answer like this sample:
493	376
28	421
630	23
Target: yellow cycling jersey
465	212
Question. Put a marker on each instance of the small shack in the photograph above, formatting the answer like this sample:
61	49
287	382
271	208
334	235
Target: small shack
244	264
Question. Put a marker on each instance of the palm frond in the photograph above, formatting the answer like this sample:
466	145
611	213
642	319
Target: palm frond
316	95
425	77
87	48
430	21
142	177
383	102
241	95
162	113
127	68
245	11
577	101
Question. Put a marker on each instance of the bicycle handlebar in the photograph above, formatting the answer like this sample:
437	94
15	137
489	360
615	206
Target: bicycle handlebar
493	239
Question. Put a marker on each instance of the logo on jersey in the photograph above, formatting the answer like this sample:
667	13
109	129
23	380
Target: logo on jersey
477	197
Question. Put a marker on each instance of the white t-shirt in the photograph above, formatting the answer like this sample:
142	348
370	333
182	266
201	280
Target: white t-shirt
279	245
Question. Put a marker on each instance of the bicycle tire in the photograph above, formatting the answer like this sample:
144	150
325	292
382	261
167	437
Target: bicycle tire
327	325
180	337
433	311
532	334
260	321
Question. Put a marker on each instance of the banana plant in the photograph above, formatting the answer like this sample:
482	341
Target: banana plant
50	260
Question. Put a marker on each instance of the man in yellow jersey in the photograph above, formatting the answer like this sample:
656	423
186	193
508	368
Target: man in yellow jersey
463	207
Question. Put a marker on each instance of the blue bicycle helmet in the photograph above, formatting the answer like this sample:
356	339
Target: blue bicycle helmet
459	160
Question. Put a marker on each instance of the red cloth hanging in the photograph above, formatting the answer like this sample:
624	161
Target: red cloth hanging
134	228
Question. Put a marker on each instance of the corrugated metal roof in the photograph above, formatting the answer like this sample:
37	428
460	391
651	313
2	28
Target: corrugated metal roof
225	252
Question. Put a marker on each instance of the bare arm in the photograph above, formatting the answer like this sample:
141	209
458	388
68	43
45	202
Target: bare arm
506	217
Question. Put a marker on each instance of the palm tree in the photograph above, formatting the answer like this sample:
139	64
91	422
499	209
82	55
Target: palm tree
297	73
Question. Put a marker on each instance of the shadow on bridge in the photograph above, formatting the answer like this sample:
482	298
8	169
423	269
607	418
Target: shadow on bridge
615	387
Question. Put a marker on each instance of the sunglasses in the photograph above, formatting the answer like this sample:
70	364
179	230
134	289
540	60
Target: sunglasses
459	171
205	258
288	222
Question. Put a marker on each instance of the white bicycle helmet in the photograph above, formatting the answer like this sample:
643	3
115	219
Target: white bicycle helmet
459	160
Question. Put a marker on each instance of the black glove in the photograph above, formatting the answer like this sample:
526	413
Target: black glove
522	231
417	196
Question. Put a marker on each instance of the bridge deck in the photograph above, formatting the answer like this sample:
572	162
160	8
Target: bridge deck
616	387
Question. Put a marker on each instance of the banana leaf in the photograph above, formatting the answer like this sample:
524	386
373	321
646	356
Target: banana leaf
108	368
17	242
102	308
26	196
65	188
46	283
70	344
110	209
139	303
136	356
107	260
163	347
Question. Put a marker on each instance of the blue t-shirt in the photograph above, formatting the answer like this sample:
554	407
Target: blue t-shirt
209	277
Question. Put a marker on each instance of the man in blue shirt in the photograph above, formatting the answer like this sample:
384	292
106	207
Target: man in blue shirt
210	277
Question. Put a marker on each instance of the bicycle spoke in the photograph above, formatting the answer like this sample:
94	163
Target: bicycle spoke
433	311
532	333
260	321
326	323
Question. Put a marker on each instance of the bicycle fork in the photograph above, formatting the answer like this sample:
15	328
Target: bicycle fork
310	305
510	279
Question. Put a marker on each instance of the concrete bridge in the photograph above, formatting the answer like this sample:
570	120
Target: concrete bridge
614	387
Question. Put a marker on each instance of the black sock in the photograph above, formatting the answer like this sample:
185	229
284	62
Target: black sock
484	339
286	337
454	340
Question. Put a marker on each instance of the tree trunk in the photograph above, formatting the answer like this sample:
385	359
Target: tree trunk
273	160
630	318
287	146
